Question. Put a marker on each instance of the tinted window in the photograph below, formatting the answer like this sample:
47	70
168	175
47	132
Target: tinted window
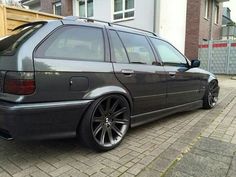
9	44
82	43
168	54
138	48
118	51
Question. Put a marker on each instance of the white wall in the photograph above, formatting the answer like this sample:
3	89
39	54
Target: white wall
171	21
144	15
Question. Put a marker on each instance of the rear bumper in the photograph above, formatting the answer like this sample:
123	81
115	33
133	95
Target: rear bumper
41	120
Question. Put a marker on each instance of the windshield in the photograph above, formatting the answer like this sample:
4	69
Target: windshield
9	44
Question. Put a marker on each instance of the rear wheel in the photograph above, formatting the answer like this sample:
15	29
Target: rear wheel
105	123
211	96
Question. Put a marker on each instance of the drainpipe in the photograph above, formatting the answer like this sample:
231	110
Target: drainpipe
155	16
211	19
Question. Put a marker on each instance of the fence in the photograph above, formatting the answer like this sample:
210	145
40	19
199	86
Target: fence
11	17
218	56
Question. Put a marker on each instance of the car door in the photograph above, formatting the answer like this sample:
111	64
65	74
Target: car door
137	69
183	85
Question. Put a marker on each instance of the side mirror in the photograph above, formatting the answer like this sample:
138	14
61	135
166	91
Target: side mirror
195	63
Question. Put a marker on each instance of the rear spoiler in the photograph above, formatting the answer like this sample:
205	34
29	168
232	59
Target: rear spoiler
29	24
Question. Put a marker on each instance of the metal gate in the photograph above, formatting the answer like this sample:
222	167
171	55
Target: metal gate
218	56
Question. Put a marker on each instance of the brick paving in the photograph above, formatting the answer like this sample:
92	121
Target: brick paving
148	150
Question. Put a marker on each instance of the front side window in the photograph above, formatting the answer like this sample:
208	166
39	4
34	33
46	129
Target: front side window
168	54
57	8
123	9
85	8
138	49
72	42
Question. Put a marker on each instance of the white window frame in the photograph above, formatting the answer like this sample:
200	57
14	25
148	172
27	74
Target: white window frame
217	13
207	8
86	8
56	4
123	11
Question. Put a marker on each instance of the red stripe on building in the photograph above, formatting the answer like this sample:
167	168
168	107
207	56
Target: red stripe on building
233	45
219	45
203	46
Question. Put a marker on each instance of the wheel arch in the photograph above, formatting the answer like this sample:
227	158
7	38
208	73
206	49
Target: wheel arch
104	91
108	90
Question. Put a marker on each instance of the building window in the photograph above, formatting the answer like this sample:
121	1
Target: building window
217	11
123	9
85	8
207	8
57	8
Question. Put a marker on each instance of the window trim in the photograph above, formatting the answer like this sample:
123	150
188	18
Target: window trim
217	13
57	4
123	11
86	8
164	63
207	9
152	49
71	25
112	46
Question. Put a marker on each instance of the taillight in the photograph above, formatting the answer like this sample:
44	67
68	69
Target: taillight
19	83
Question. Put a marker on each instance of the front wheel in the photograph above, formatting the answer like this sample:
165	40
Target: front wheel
105	123
211	96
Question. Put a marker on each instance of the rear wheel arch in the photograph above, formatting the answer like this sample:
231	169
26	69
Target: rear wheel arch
110	90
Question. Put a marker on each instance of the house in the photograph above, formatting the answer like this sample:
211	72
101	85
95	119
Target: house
185	23
149	15
226	16
228	25
31	4
204	22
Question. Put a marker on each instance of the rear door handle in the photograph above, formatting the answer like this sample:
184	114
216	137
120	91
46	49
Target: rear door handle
172	74
127	72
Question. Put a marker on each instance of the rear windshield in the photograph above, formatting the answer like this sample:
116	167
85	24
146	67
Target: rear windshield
9	44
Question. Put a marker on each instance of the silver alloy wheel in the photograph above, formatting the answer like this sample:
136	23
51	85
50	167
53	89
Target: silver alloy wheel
213	94
110	121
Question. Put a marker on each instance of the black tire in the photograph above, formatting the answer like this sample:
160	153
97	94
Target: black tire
211	95
105	123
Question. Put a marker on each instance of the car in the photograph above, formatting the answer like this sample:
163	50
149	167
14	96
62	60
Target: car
93	80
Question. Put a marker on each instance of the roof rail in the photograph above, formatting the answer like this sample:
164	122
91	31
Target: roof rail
74	18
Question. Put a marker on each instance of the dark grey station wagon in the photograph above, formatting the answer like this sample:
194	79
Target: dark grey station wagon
93	79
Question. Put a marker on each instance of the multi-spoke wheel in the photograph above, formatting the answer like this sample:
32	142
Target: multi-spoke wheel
211	95
106	122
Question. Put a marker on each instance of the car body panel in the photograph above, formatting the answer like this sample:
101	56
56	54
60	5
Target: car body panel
65	88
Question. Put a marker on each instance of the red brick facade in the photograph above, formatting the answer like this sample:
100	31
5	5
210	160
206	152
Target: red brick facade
66	9
198	27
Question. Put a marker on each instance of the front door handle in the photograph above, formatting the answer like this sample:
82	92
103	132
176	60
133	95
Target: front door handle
172	74
127	72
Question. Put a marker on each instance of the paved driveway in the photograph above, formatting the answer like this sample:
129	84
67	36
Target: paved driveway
147	150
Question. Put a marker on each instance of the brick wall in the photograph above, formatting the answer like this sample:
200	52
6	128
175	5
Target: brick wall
192	28
47	6
198	27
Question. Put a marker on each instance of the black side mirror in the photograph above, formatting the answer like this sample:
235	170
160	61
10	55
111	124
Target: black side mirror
195	63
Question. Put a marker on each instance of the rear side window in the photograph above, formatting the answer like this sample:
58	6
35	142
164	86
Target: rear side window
74	42
138	48
118	50
9	44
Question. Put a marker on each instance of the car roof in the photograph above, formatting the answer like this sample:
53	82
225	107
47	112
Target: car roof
109	25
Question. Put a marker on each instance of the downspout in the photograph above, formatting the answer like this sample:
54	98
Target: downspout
155	16
211	19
